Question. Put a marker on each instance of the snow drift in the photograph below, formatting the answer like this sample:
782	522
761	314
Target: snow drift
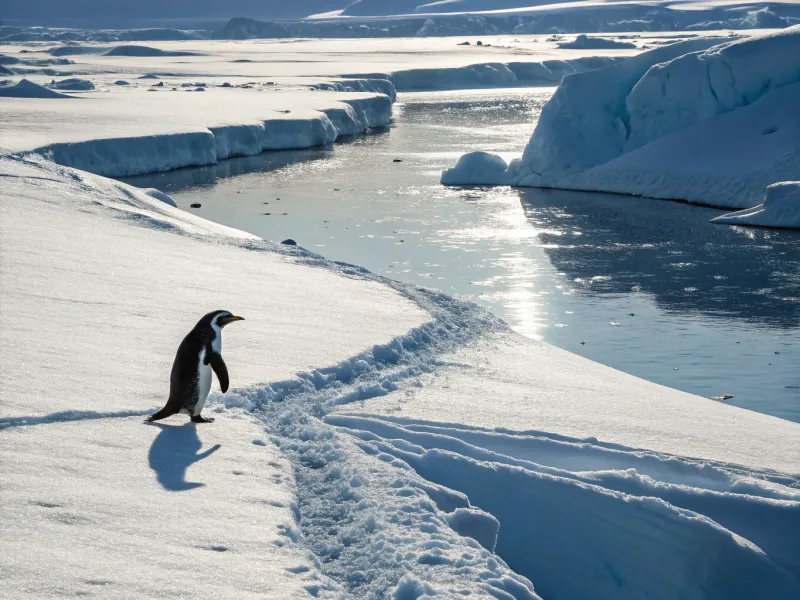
28	89
709	124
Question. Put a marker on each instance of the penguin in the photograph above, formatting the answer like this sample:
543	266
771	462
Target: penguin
190	380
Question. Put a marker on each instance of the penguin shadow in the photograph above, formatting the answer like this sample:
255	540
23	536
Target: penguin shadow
175	449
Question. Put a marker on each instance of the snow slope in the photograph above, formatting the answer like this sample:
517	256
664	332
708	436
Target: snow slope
710	124
296	490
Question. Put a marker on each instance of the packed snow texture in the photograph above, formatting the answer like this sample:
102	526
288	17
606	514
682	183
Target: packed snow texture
781	208
325	498
709	124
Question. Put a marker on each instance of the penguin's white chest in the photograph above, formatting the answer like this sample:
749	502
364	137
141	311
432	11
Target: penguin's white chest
203	383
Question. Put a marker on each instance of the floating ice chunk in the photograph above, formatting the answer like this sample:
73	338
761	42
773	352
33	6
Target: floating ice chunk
477	168
781	208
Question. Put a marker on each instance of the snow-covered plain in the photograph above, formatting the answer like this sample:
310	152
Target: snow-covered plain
695	121
296	490
379	440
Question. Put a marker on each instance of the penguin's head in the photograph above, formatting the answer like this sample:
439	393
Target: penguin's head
223	317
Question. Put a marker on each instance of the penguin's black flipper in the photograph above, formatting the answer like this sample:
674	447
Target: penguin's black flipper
220	369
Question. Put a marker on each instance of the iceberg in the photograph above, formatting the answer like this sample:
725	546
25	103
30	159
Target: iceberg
780	208
697	121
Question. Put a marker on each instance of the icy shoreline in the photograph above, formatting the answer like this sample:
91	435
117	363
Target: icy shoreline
188	132
392	452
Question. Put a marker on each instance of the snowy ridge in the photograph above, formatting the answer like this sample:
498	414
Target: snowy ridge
120	157
479	463
548	72
491	17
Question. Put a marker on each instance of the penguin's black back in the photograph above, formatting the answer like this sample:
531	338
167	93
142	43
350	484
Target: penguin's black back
183	382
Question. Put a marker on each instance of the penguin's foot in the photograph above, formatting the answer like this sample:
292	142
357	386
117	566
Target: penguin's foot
200	419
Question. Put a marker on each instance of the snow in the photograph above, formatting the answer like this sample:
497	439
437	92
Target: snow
694	121
119	509
726	161
27	89
583	124
119	133
378	440
356	452
780	208
696	87
495	74
198	273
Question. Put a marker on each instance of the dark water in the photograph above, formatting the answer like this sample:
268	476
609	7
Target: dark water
649	287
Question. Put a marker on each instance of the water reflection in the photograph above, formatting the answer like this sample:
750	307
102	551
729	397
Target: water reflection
181	179
608	244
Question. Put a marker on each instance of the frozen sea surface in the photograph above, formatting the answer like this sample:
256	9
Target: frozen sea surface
648	287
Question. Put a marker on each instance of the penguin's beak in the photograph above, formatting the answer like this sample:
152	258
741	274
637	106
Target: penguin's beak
225	320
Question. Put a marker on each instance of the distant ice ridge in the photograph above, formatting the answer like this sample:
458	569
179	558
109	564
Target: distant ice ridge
392	19
118	157
709	124
548	72
51	34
